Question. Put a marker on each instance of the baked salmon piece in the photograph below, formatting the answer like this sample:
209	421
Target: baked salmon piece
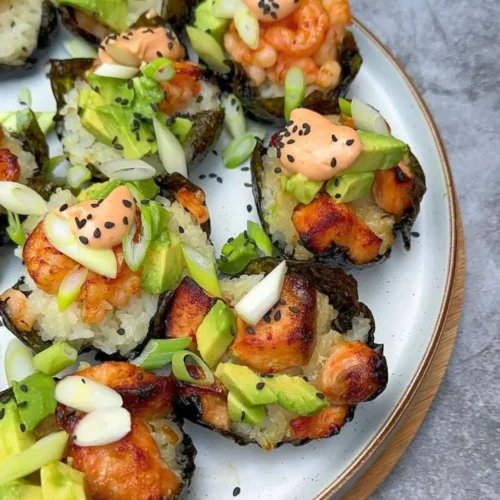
392	190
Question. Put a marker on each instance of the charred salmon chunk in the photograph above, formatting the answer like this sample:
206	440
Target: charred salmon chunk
392	190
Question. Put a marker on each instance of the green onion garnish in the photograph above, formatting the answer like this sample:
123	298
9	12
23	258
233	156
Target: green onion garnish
55	359
24	97
70	287
78	175
160	70
53	164
78	48
345	106
238	150
14	229
202	269
18	361
234	119
295	90
181	372
158	353
21	199
247	26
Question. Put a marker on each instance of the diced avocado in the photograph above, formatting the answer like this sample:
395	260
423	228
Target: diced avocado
208	49
242	413
216	332
296	395
147	95
93	123
113	13
236	254
14	438
89	99
147	187
181	128
262	240
201	268
8	120
304	190
20	490
62	482
35	398
245	384
163	266
160	217
205	20
111	90
350	187
45	120
380	152
101	190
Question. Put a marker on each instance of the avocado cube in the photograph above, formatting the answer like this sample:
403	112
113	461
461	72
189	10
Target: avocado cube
380	152
350	187
262	240
241	413
245	384
206	20
296	395
111	90
302	188
20	490
236	254
13	440
181	128
62	482
112	13
89	99
92	122
216	332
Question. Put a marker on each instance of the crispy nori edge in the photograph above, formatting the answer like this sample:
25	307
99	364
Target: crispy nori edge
48	26
207	125
342	292
271	110
337	255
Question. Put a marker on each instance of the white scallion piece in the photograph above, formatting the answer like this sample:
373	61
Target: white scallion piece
78	48
78	175
128	170
116	71
226	9
18	361
247	26
24	97
21	199
70	287
367	118
234	119
170	150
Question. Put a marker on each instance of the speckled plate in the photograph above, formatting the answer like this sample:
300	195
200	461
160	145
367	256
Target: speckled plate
409	296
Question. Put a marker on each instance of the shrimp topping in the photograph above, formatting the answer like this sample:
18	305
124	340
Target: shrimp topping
9	166
19	312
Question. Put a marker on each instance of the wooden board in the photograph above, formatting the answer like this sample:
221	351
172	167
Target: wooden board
420	405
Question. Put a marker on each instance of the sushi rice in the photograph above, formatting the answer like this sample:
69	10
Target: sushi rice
134	319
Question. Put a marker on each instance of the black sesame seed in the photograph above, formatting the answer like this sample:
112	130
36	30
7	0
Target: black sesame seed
320	396
150	139
223	258
130	84
247	184
137	136
145	202
120	331
109	225
181	230
295	128
97	233
63	207
294	309
278	154
277	316
282	301
274	15
350	142
125	37
22	404
305	378
23	388
233	102
336	182
125	221
5	398
127	203
219	180
290	141
89	216
119	147
245	169
333	163
115	138
22	427
137	115
230	240
84	240
338	195
80	223
94	205
202	176
170	45
250	330
236	491
159	54
154	107
415	234
267	318
124	102
232	331
277	170
290	158
12	24
245	234
260	385
118	100
84	381
215	152
334	138
249	208
212	176
199	98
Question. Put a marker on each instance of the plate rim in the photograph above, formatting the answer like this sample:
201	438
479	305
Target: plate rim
399	410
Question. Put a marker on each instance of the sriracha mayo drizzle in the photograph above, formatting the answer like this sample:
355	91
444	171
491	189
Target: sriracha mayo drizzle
147	44
313	146
266	10
102	224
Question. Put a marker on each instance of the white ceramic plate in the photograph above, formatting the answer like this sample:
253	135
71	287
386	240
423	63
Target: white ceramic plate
408	295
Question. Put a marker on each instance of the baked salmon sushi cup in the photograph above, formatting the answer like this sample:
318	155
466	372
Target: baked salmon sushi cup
271	53
26	30
103	432
167	114
96	264
284	355
337	192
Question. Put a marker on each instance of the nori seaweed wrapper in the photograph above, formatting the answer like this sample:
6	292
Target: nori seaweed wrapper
337	255
271	109
48	27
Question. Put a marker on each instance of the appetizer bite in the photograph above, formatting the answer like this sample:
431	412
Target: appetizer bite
280	51
337	188
141	100
283	354
96	263
26	29
103	432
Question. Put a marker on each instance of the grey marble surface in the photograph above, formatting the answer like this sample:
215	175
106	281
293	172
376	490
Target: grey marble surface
451	49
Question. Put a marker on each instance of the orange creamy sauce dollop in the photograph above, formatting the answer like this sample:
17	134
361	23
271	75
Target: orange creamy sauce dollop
146	44
315	147
102	224
271	10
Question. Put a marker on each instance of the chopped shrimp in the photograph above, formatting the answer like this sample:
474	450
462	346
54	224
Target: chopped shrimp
194	202
302	33
181	88
9	166
48	267
328	50
329	75
257	75
306	64
339	12
20	314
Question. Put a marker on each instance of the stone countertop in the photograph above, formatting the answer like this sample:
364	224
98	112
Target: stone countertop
451	50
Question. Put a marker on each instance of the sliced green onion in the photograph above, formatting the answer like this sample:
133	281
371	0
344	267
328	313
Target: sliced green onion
77	48
202	269
8	120
134	252
14	229
258	132
18	361
116	71
70	287
225	9
49	449
345	107
234	119
158	353
45	120
238	150
55	359
170	150
160	70
262	240
21	199
181	372
208	49
181	128
367	118
24	97
247	26
295	90
54	163
78	175
128	170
